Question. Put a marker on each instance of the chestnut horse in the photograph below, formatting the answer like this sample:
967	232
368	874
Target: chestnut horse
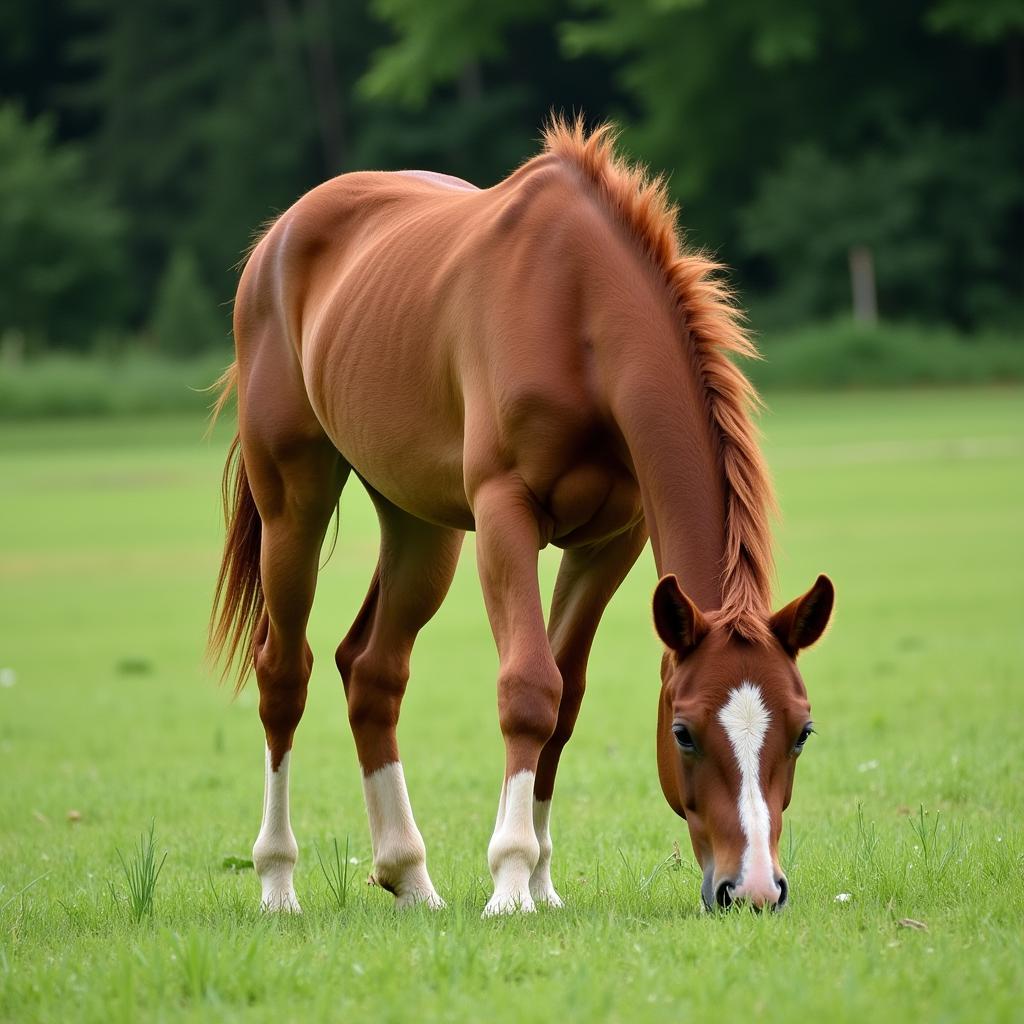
543	363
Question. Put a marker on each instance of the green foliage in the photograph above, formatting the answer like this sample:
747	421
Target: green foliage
845	354
122	384
794	129
786	128
60	238
204	125
440	42
937	211
186	321
985	22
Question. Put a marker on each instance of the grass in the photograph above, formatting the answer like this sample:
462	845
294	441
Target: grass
908	800
336	873
141	873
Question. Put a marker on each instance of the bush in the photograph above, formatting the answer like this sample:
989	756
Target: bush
66	385
186	320
838	354
846	354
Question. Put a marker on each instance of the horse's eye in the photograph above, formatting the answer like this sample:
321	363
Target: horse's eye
804	736
683	738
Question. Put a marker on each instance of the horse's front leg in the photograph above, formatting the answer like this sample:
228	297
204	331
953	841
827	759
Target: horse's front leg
587	579
529	683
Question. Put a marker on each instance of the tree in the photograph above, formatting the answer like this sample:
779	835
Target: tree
935	209
61	257
185	318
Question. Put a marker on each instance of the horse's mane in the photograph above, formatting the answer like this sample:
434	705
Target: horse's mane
715	329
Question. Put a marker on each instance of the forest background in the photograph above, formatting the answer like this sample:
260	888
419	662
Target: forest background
857	166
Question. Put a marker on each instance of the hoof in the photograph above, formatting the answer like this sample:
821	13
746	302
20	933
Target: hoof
509	903
411	888
280	901
428	899
546	896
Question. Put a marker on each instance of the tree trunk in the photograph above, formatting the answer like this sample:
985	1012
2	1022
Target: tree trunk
862	285
324	82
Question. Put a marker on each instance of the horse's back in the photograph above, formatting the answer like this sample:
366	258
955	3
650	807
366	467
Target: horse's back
444	180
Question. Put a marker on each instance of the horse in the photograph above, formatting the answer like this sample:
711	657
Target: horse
543	362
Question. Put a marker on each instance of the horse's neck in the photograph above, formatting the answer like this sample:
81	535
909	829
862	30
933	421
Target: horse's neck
659	407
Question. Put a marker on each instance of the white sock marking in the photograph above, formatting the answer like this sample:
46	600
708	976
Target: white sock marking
745	719
399	854
275	851
541	887
513	852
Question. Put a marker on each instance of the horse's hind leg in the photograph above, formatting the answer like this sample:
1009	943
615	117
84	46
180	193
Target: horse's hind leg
417	562
296	477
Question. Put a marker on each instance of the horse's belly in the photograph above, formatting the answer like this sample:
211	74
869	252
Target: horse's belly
418	470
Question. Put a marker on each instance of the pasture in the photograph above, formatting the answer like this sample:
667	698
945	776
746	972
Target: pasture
908	801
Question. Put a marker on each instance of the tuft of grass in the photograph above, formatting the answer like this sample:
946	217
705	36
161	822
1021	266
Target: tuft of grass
938	852
141	873
335	870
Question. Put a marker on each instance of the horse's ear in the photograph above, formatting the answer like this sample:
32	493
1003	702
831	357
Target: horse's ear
676	618
802	621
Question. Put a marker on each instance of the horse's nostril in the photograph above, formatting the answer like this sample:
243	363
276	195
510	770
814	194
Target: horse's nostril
783	891
723	894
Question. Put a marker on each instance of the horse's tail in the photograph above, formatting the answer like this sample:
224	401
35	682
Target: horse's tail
238	599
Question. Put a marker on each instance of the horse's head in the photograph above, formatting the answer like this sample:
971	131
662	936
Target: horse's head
732	720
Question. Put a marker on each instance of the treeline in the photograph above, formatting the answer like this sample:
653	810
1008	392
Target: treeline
827	150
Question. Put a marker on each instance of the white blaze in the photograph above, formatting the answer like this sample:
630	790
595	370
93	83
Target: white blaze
745	720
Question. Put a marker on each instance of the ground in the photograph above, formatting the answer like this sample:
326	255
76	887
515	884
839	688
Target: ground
908	800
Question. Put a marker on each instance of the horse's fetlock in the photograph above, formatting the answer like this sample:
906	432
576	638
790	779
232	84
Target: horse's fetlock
273	852
546	848
392	863
511	851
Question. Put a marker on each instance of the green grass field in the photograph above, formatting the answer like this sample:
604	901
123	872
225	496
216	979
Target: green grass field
909	799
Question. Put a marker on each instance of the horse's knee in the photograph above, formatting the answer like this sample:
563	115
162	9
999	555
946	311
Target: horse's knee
528	702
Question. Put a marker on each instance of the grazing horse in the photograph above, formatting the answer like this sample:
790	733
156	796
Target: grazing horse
544	363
